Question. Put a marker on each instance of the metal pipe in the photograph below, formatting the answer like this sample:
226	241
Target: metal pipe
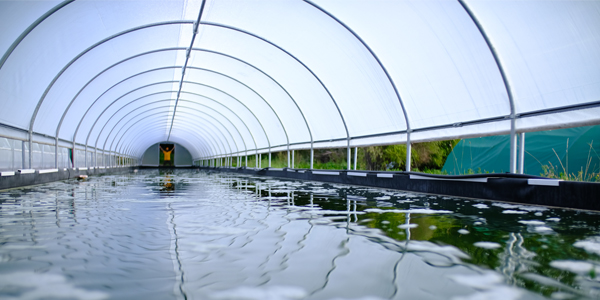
355	157
312	156
408	152
513	147
348	157
522	154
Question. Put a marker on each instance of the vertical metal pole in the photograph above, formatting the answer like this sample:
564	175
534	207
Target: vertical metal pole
293	158
30	148
288	157
269	157
74	156
246	165
260	160
355	157
513	147
86	154
56	152
42	165
312	156
348	156
256	161
522	153
408	151
12	154
22	154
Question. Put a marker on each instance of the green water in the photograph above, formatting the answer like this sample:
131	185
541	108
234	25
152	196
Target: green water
210	235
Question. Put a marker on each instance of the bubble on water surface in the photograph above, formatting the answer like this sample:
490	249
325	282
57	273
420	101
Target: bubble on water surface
487	245
532	222
406	226
463	231
481	206
514	212
413	211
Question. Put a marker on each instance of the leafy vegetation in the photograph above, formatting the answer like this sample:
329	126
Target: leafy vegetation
426	157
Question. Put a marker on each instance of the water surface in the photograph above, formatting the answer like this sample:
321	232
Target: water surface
210	235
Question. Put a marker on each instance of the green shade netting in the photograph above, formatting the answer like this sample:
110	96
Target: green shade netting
567	150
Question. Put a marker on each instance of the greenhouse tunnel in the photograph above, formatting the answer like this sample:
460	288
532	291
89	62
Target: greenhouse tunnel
94	85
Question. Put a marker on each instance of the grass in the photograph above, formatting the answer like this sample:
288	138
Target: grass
587	174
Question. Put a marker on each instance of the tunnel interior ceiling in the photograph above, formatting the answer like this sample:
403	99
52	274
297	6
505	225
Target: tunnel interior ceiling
231	77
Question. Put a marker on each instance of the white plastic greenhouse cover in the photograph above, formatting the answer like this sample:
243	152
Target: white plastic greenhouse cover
239	77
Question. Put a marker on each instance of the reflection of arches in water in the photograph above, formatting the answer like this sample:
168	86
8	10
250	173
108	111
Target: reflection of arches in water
515	258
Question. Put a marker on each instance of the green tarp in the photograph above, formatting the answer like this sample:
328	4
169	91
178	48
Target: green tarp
567	150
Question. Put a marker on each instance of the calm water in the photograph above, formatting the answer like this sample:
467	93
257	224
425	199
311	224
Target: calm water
202	235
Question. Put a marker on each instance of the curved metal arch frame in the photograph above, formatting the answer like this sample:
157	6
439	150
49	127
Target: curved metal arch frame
39	104
171	91
136	138
58	127
146	131
201	141
258	120
511	101
135	153
193	68
143	133
300	62
176	140
195	103
199	128
196	68
157	126
211	141
181	22
179	49
29	29
199	111
134	150
232	124
162	107
91	129
408	127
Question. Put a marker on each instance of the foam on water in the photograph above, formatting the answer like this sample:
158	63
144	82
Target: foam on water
406	226
463	231
591	245
412	211
514	212
490	286
481	206
580	267
44	286
532	222
487	245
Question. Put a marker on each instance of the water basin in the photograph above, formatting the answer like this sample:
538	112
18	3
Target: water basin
189	234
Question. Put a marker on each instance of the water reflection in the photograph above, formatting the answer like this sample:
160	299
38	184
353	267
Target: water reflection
197	235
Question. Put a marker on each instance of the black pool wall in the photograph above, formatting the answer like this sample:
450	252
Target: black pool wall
19	179
501	187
